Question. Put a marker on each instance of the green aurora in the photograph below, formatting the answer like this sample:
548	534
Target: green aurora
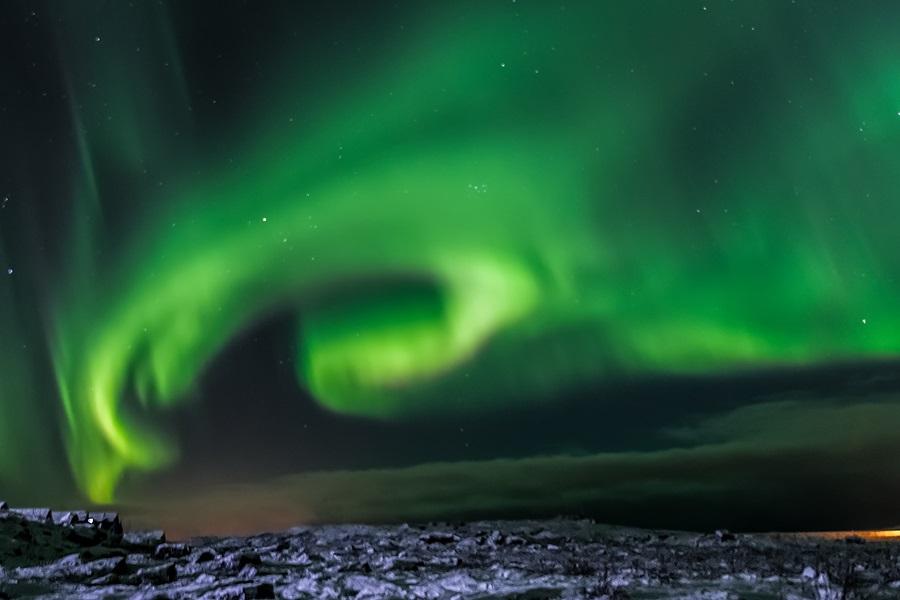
505	200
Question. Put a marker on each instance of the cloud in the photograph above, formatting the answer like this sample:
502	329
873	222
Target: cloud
786	464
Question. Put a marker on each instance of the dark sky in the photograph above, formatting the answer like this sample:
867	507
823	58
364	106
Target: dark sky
366	261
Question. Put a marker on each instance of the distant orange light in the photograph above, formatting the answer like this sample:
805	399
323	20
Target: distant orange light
871	534
880	534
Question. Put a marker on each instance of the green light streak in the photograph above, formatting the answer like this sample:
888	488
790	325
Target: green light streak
495	200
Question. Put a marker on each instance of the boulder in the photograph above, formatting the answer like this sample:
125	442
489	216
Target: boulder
158	575
164	551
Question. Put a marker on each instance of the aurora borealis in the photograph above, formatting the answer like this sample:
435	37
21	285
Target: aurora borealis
589	241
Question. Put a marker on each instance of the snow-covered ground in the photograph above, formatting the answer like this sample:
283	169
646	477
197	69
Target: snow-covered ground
59	556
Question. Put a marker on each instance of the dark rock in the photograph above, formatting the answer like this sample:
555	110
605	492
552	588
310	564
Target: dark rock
164	551
143	540
108	579
157	575
238	560
96	568
439	537
96	552
723	535
4	505
409	564
205	556
259	591
85	535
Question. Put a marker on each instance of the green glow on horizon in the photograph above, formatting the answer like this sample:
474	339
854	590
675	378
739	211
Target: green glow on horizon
490	189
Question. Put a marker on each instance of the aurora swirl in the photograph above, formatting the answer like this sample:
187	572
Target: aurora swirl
506	200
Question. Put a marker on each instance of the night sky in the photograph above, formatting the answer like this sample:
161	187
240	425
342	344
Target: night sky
266	263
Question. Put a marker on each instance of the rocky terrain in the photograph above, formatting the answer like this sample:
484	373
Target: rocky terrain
45	554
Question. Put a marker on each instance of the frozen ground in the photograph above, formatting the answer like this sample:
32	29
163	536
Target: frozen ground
86	555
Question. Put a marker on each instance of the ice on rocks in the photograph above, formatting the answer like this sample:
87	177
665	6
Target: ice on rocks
85	554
